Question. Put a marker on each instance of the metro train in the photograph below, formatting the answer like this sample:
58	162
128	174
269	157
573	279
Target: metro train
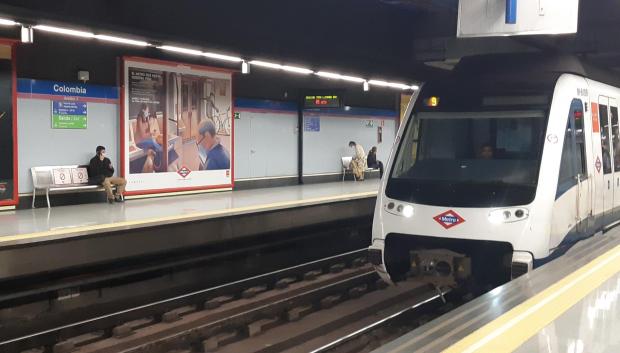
498	168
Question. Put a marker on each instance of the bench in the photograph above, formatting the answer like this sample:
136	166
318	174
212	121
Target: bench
60	179
346	167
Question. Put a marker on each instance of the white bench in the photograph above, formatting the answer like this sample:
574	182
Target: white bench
60	179
346	167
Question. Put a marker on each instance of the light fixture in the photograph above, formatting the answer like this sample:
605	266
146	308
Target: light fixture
408	211
222	57
295	69
266	64
390	84
114	39
366	86
66	31
340	77
7	22
180	50
245	68
27	34
415	87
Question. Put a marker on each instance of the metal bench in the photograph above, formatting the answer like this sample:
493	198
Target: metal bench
60	179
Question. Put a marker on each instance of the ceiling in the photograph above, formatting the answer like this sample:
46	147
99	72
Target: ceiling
388	38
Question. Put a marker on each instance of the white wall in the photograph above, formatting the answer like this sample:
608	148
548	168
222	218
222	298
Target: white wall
323	149
265	144
40	145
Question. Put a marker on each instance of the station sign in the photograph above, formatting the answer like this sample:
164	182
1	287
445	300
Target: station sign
69	115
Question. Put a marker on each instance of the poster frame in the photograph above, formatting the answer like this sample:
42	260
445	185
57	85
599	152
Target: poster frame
172	64
15	200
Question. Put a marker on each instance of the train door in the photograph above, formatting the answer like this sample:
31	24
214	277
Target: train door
615	144
607	159
583	179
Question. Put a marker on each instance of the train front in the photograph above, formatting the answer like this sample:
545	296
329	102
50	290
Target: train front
457	204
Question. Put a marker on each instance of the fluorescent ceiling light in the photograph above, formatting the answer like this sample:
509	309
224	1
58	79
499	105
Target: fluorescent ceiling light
415	87
122	40
340	77
5	22
181	50
266	64
222	57
67	31
296	69
390	84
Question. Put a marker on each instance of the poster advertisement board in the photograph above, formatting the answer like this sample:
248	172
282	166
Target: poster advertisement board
177	127
8	128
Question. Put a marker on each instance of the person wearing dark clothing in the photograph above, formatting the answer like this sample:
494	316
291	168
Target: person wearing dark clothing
373	162
101	172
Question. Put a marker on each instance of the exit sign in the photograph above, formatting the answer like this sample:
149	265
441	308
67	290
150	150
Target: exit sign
323	101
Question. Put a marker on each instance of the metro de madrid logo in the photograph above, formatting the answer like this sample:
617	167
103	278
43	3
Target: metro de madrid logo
449	219
184	172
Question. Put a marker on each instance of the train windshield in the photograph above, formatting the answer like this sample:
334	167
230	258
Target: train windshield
469	159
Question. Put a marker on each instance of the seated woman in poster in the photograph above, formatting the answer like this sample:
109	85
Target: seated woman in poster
144	137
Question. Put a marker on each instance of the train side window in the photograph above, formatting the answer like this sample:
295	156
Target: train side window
605	143
572	162
615	133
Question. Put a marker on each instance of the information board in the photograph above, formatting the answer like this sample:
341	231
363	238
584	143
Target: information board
69	115
312	123
322	101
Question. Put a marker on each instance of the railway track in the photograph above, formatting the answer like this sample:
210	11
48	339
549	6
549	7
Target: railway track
298	309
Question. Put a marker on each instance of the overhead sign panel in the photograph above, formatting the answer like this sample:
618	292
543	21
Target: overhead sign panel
488	18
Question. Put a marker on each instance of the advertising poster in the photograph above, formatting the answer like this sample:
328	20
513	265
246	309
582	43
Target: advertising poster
178	127
8	142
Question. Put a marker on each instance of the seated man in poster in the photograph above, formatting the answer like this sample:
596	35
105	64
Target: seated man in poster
100	172
212	154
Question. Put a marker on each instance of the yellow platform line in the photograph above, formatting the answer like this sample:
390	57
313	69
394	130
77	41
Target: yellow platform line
183	217
515	327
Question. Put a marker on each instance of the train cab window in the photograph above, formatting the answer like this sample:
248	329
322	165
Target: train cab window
572	163
615	133
469	159
605	138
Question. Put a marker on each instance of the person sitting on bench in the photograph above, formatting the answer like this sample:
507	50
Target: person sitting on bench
373	162
100	172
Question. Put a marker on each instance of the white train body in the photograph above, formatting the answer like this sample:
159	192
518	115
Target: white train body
447	211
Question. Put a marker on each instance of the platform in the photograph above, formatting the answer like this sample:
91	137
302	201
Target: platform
72	235
568	305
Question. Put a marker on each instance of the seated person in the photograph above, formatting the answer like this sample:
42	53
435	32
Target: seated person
144	137
373	162
100	172
486	151
358	164
212	153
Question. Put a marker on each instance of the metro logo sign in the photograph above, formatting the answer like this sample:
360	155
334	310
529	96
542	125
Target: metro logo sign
449	219
184	172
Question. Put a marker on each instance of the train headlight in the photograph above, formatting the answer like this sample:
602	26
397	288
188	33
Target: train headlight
408	211
399	209
508	215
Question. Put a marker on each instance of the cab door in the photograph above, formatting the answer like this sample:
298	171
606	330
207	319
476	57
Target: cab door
607	159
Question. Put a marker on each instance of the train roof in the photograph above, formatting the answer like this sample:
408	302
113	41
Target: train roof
535	67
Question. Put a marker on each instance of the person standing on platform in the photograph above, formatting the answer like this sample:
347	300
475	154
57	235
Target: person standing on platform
373	162
101	172
358	163
214	156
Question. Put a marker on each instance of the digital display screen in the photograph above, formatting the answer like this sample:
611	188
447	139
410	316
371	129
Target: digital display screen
327	101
